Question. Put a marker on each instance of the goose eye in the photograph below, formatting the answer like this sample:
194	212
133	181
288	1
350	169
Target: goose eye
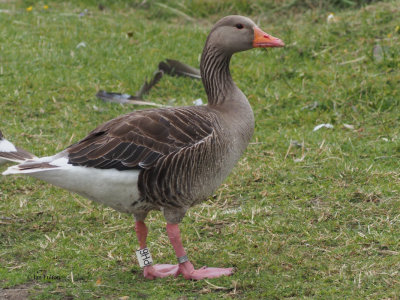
239	26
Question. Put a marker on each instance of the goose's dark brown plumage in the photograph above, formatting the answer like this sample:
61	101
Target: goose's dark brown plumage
156	141
167	159
146	136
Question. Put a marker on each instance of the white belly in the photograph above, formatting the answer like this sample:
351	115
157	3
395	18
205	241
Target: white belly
117	189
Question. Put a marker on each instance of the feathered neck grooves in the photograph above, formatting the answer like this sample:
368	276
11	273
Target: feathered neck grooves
215	74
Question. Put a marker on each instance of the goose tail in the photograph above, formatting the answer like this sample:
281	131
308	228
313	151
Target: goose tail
39	165
10	153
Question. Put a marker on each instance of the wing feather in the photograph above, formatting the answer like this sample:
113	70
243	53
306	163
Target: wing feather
139	139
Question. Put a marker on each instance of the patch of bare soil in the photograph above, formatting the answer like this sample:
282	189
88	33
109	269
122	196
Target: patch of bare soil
18	292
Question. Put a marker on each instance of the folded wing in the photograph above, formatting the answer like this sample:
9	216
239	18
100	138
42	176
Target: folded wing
138	140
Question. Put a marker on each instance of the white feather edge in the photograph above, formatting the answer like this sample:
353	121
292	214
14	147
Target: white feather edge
6	146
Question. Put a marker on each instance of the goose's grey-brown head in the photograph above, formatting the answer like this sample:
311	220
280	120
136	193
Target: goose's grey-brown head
237	33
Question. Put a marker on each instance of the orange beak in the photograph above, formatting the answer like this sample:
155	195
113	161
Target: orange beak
263	40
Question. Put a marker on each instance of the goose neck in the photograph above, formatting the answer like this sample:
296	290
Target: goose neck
215	74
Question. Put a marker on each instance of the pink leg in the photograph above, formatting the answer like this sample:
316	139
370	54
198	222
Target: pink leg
141	233
156	271
186	268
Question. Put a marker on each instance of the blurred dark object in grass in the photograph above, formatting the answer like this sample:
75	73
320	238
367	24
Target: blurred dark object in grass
169	66
176	68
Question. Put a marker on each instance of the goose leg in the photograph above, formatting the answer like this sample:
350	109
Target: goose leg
186	268
156	271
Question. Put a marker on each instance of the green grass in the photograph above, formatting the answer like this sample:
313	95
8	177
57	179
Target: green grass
304	214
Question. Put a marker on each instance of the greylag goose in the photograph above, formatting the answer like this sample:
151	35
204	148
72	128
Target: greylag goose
9	152
167	159
169	66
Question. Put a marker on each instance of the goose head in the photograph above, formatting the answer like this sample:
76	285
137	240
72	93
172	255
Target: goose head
236	33
229	35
